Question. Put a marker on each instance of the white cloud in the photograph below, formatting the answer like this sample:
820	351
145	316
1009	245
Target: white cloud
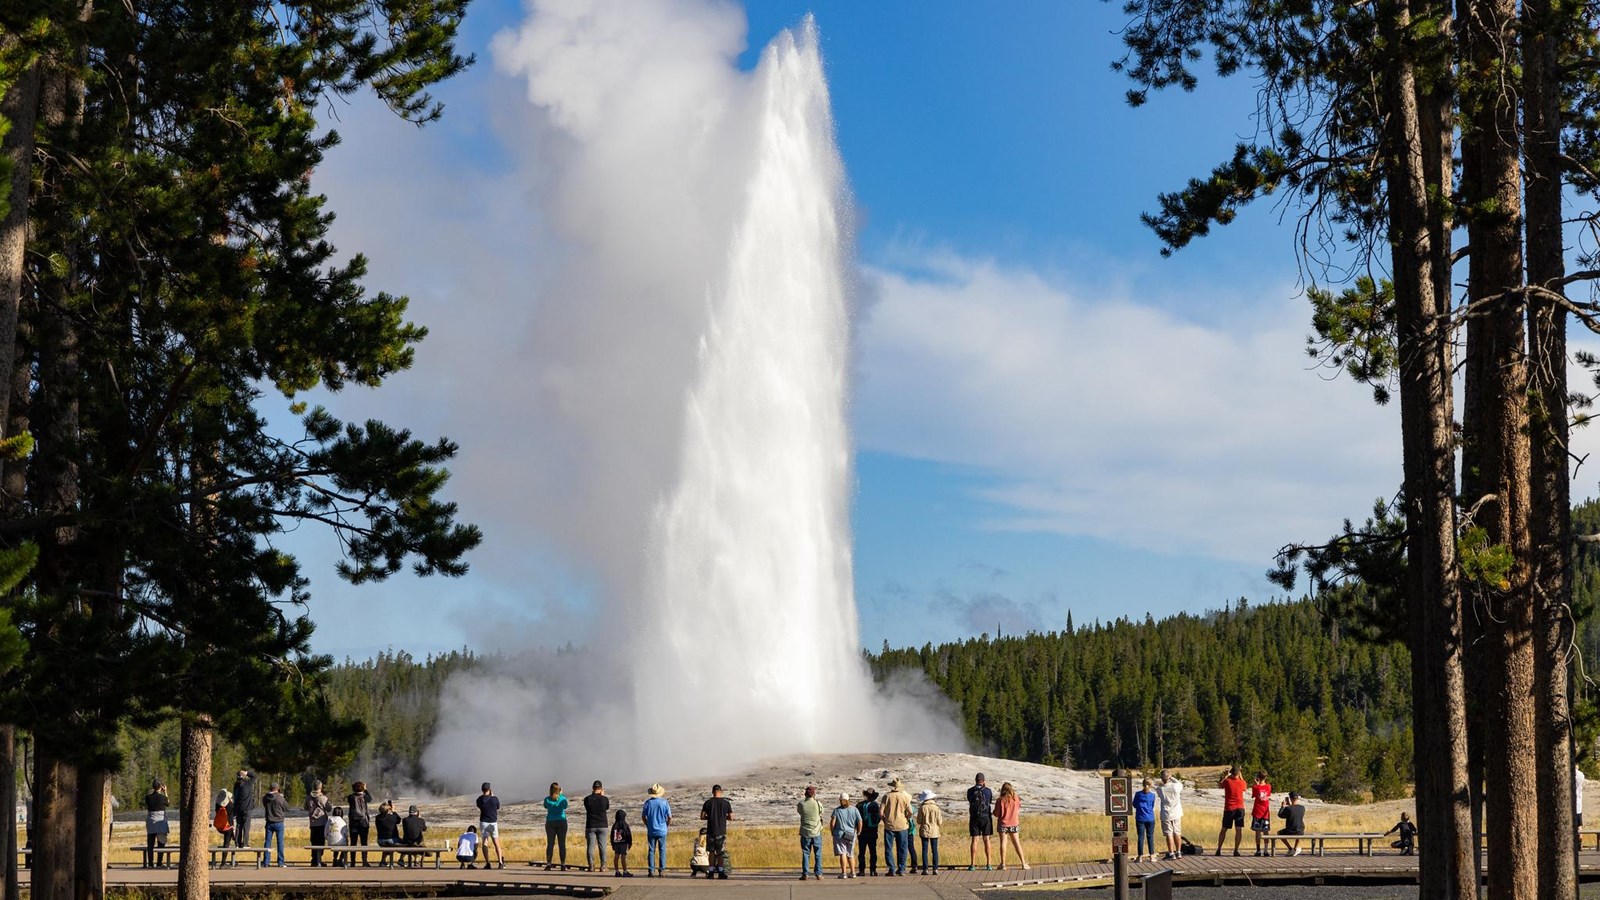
1104	416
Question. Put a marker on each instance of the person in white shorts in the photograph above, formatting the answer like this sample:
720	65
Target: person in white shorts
489	825
1171	792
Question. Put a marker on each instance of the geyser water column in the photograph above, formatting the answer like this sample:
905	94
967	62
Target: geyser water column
752	649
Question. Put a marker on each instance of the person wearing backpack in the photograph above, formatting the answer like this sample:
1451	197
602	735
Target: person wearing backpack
244	805
867	841
317	809
222	818
980	822
621	843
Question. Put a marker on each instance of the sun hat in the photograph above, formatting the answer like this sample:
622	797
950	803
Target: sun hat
894	784
925	796
657	790
844	797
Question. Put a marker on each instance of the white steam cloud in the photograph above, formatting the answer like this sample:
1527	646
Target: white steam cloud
692	348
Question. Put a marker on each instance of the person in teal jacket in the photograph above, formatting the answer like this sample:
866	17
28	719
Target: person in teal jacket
555	825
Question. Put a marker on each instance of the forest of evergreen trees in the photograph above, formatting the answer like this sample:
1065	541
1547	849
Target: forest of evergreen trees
1281	685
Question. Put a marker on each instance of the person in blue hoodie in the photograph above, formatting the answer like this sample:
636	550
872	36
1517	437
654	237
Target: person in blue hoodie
1144	820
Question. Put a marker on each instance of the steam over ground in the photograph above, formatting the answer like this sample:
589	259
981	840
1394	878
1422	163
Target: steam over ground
693	354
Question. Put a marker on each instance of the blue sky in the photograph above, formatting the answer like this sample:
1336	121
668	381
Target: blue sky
1048	415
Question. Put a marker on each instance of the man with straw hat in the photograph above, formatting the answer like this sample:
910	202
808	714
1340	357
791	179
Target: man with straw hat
897	815
657	815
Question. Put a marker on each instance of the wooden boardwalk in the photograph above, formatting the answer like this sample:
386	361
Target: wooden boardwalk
951	882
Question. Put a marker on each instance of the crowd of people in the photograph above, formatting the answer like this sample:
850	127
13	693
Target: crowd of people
854	826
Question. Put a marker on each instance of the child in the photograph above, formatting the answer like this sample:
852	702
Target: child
1261	812
621	841
700	861
338	835
1408	835
467	848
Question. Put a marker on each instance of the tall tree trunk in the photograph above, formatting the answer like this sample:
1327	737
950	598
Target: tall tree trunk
94	832
1492	190
1551	526
20	107
1416	151
194	800
8	804
55	811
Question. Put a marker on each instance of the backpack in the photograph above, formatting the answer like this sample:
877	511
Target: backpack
221	820
1190	848
869	814
977	808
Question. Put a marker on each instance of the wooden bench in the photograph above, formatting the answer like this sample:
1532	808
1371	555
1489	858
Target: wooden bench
1588	832
347	852
164	855
1316	843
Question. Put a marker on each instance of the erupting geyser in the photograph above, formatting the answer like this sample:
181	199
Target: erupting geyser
690	374
750	580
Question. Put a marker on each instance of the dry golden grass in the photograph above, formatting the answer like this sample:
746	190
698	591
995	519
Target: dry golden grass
1060	838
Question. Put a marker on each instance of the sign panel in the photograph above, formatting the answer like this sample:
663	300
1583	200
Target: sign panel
1119	844
1119	824
1119	791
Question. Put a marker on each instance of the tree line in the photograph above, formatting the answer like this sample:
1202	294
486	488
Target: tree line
168	297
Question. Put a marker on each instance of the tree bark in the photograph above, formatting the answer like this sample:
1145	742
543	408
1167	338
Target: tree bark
1416	154
55	811
20	107
1551	525
194	799
1492	190
94	833
12	889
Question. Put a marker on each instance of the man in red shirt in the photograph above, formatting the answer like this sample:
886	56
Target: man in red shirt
1232	808
1261	811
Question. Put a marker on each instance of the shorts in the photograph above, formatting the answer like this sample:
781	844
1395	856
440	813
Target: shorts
488	830
1261	825
1172	826
845	847
1008	829
980	827
1233	818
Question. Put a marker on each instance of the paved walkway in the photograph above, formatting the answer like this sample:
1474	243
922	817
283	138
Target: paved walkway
949	884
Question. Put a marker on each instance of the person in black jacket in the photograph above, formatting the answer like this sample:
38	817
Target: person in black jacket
387	822
155	824
359	805
244	806
1293	814
412	830
595	807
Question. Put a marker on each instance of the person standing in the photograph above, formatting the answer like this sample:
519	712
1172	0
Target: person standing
1232	809
317	809
897	815
155	824
844	825
980	822
244	806
1144	821
810	810
1261	811
621	843
657	816
1008	815
274	810
929	820
555	825
1171	791
717	813
358	807
595	824
489	826
1578	781
1293	814
867	838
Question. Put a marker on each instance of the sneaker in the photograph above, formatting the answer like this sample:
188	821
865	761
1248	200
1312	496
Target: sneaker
502	864
972	868
802	876
723	875
1295	852
1235	853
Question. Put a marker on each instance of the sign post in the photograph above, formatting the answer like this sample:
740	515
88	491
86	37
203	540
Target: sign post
1119	802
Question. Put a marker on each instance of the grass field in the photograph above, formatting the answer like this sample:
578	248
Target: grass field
1074	837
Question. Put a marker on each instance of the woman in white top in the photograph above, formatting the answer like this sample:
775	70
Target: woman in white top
1171	793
